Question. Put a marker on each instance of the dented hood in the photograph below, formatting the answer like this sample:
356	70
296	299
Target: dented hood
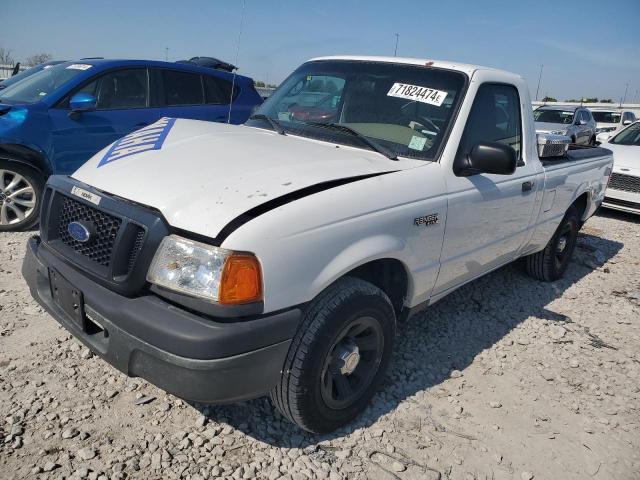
202	175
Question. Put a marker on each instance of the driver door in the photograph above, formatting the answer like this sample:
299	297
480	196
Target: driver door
122	107
488	214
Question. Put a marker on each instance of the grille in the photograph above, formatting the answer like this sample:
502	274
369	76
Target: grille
627	183
100	249
137	246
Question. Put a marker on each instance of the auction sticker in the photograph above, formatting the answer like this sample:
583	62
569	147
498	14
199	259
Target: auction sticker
78	66
417	93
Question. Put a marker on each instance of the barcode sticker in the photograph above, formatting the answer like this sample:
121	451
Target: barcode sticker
417	93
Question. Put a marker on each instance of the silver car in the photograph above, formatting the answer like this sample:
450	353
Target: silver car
574	122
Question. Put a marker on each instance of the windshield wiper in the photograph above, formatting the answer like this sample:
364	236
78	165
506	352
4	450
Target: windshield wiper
390	154
272	121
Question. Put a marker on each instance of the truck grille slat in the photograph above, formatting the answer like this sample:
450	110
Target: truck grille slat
626	183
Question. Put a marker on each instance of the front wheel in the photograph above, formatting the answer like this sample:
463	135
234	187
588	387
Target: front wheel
551	263
338	358
20	191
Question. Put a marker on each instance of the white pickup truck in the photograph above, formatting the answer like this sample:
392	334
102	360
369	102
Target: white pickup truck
224	262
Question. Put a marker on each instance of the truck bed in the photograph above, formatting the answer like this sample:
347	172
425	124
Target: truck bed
575	153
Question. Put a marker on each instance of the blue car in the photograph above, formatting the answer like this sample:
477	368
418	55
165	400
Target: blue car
54	120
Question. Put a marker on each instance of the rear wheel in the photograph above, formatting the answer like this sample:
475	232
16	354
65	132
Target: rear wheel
20	192
592	141
338	358
551	263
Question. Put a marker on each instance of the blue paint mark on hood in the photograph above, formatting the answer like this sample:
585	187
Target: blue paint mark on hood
148	138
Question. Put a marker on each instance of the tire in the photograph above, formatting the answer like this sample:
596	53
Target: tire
311	392
20	196
551	263
573	139
592	141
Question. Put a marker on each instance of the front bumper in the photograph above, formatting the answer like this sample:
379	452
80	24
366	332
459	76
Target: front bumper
621	200
196	358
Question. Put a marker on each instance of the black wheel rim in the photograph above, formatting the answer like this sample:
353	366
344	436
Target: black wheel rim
352	362
564	245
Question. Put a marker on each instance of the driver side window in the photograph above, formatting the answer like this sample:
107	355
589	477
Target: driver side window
494	117
121	89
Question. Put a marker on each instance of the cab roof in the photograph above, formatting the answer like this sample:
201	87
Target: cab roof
461	67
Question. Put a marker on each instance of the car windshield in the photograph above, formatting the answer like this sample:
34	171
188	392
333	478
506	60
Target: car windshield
606	117
629	136
27	73
37	86
553	116
393	108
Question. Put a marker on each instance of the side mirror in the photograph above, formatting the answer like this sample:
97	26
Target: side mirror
83	102
627	122
489	157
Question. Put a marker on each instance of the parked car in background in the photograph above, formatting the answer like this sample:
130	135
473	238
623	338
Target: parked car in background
609	121
574	122
56	119
623	191
27	73
282	263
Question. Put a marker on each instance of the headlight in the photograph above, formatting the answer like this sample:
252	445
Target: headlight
559	132
207	272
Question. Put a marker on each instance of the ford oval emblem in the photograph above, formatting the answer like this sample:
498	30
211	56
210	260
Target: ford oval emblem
79	232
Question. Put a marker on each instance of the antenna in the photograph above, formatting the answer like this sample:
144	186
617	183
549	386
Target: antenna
539	78
233	82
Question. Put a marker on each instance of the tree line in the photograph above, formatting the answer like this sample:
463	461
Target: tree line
6	58
581	100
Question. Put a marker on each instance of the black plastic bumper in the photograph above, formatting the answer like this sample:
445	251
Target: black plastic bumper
195	358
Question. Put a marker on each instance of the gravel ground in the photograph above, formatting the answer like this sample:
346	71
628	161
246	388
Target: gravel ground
507	378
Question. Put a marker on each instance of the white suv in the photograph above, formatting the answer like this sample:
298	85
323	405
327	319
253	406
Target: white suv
608	122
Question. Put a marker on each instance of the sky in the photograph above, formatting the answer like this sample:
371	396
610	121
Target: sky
588	48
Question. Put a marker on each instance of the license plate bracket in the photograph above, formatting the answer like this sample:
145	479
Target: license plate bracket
68	298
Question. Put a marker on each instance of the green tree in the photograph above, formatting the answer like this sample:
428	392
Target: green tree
549	99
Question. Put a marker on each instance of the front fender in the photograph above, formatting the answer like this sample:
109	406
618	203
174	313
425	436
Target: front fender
363	251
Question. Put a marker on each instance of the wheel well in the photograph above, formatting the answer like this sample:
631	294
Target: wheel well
389	275
26	156
581	204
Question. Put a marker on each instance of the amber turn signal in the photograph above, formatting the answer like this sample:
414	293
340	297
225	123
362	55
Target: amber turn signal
241	280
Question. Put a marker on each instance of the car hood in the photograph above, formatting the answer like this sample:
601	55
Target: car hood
626	158
544	127
203	174
607	125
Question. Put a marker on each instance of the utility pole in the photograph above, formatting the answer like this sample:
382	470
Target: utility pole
166	54
395	51
539	78
625	93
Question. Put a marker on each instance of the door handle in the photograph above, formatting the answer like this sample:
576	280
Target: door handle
527	186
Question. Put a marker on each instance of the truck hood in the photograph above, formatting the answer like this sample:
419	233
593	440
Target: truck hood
545	127
203	175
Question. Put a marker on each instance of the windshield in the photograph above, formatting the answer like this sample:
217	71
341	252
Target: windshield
606	117
553	116
37	86
27	73
403	109
629	136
